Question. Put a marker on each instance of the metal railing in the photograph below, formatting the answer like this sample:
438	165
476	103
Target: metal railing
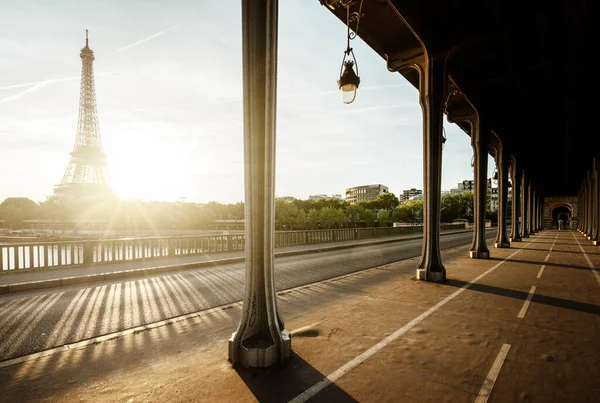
50	255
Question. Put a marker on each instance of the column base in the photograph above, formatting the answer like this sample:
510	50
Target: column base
525	236
435	276
589	238
479	254
516	239
502	245
596	243
261	352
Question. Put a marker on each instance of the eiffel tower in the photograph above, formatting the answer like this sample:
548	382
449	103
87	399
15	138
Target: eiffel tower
86	177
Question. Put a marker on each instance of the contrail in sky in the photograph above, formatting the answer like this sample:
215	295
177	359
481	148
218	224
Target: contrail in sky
32	87
148	38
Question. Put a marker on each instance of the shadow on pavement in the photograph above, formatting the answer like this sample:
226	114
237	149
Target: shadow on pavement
572	266
284	383
537	298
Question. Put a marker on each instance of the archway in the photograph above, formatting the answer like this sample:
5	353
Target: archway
561	212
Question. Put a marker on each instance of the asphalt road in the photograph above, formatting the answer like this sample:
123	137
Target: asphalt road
38	320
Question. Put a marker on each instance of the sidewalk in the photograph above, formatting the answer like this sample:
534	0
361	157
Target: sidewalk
30	280
377	335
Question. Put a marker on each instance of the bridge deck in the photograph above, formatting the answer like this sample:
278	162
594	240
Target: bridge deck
379	336
48	274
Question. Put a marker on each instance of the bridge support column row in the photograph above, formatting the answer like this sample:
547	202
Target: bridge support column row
589	204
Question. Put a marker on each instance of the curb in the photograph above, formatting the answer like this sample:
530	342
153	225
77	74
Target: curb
146	272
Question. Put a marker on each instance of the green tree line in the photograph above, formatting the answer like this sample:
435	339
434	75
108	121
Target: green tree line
295	214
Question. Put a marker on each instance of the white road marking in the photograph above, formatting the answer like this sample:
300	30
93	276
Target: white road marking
490	379
589	262
539	275
521	314
334	376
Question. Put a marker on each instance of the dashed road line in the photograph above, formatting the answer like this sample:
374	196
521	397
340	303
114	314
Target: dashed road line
490	379
337	374
539	275
523	311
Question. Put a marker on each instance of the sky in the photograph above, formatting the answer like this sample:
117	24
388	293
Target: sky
168	79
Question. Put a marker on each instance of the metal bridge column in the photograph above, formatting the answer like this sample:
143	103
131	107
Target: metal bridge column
515	171
502	163
524	199
479	140
260	340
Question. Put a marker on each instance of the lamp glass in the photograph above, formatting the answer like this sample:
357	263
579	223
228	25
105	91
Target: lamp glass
348	93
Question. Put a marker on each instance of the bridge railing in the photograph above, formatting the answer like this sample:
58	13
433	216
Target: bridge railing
50	255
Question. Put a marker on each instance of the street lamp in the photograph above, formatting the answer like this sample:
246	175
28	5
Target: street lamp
349	80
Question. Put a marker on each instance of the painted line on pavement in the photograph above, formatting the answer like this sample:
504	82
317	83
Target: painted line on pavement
490	379
547	257
523	311
334	376
589	262
539	275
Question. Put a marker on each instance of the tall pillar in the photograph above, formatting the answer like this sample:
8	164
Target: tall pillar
533	219
578	209
529	208
479	141
515	173
260	339
583	206
502	163
432	92
524	199
541	213
582	209
538	214
588	206
595	204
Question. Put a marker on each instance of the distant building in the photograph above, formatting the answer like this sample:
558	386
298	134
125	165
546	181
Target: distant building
468	185
365	193
493	205
408	193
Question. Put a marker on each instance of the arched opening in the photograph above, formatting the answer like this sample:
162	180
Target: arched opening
562	215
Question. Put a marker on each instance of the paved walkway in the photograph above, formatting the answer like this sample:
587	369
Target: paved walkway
520	327
86	270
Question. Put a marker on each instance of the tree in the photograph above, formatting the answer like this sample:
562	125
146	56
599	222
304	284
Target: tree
409	211
384	219
16	209
387	201
368	217
288	216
